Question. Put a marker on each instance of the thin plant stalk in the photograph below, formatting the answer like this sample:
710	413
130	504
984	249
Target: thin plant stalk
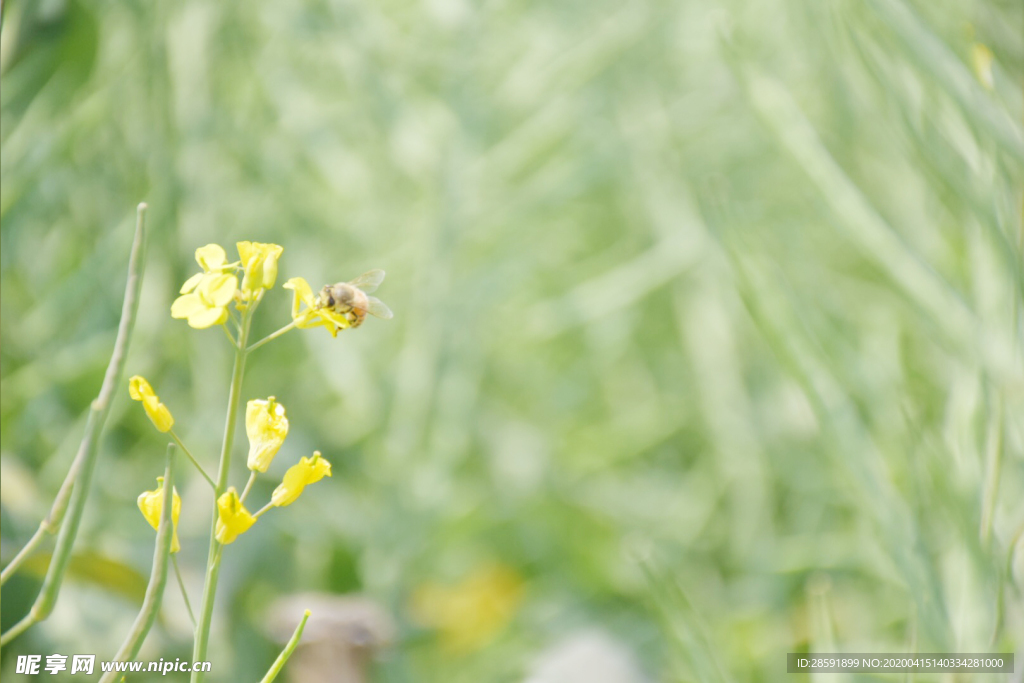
191	457
263	509
157	578
75	490
287	651
248	487
272	336
213	559
184	592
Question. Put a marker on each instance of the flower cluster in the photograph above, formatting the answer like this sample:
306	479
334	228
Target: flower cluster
205	296
205	301
266	426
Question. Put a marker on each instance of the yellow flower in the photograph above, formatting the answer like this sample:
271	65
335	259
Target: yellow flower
206	295
207	304
266	427
140	390
469	614
313	315
232	517
260	263
150	503
212	259
308	471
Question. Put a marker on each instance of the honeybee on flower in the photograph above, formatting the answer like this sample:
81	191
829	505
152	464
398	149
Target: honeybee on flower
351	299
338	306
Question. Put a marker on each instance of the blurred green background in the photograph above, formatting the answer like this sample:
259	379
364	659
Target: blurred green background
707	342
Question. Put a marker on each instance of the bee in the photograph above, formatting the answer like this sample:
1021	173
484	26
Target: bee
352	301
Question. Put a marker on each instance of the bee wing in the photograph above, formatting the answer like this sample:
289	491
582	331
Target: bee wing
369	281
378	308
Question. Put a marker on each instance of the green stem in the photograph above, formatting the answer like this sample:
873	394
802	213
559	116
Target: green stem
287	651
75	490
230	337
184	592
264	509
272	336
213	558
248	486
191	457
157	578
30	546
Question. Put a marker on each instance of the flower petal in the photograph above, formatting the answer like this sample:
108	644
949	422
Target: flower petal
139	388
158	413
245	251
187	305
270	265
150	504
232	517
307	471
266	426
191	283
303	292
218	290
208	317
211	257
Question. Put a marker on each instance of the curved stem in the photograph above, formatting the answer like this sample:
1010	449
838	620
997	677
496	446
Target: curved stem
191	457
272	336
287	651
157	579
75	490
214	556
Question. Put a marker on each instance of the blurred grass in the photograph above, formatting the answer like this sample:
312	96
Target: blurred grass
704	311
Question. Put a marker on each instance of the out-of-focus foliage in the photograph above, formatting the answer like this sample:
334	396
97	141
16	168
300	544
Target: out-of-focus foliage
707	324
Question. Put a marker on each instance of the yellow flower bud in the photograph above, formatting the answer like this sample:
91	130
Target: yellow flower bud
260	263
308	471
266	426
232	517
151	502
140	390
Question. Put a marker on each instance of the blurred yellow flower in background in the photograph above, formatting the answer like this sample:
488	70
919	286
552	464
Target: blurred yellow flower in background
266	426
313	315
140	390
150	503
470	613
232	517
308	471
982	59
